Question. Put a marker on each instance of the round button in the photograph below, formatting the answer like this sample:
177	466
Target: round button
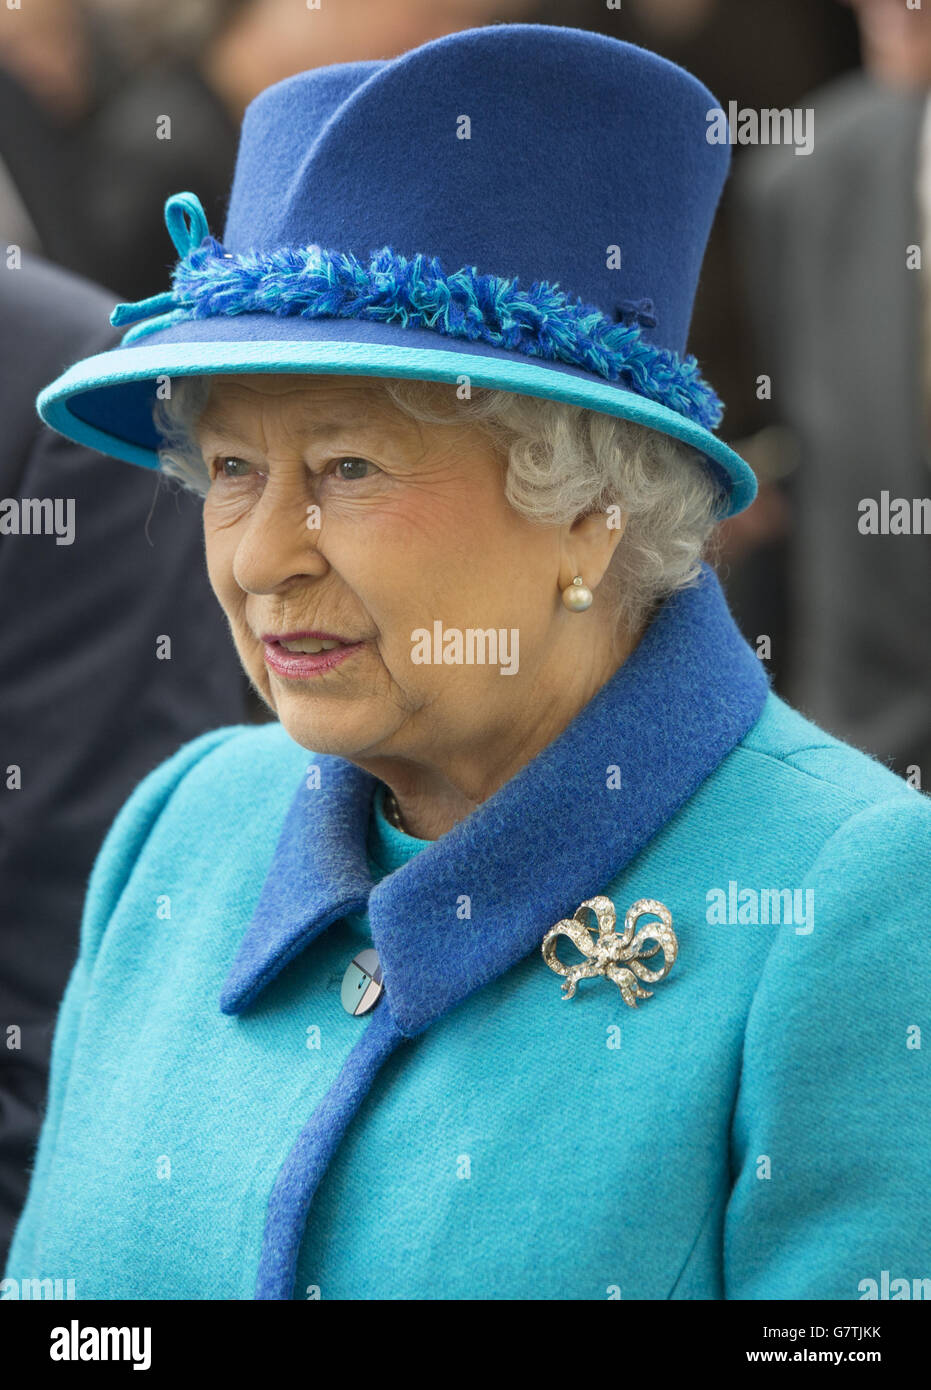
362	983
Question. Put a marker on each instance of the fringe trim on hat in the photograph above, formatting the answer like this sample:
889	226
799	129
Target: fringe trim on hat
541	321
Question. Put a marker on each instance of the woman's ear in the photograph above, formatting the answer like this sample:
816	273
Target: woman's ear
588	545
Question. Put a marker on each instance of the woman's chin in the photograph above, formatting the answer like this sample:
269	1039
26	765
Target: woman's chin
343	737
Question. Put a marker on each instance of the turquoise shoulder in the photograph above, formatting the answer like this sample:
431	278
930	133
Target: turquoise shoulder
223	778
855	778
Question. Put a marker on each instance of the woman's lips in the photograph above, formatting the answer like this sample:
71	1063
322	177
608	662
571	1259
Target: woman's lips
300	665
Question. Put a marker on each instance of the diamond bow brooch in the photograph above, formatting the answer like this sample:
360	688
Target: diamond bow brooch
618	957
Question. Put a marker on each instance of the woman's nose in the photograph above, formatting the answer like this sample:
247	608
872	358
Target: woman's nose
277	542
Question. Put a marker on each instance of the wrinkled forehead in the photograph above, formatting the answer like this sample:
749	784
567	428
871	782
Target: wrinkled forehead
305	402
304	390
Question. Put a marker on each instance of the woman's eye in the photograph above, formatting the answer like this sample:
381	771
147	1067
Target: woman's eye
231	467
347	469
350	462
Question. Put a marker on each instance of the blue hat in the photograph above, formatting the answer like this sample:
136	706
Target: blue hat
521	205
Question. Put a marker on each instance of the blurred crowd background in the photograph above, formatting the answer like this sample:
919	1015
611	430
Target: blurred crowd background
811	284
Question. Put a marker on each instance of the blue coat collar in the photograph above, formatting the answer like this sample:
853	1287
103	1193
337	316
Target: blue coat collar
552	836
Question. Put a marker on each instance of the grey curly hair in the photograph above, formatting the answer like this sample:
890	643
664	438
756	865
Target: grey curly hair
563	461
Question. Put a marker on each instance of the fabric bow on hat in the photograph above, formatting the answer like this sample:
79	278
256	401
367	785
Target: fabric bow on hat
639	311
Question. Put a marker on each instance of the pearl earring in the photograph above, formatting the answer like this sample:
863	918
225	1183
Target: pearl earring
577	596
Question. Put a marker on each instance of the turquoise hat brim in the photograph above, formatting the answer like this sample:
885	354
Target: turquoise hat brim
105	401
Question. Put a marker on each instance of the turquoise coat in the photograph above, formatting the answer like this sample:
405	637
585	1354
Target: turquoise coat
219	1127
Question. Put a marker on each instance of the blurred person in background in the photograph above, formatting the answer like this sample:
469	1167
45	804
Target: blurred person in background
109	106
833	246
46	89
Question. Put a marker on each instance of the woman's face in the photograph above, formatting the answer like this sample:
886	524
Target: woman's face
331	511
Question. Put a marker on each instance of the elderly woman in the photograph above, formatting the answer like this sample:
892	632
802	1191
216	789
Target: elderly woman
537	950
